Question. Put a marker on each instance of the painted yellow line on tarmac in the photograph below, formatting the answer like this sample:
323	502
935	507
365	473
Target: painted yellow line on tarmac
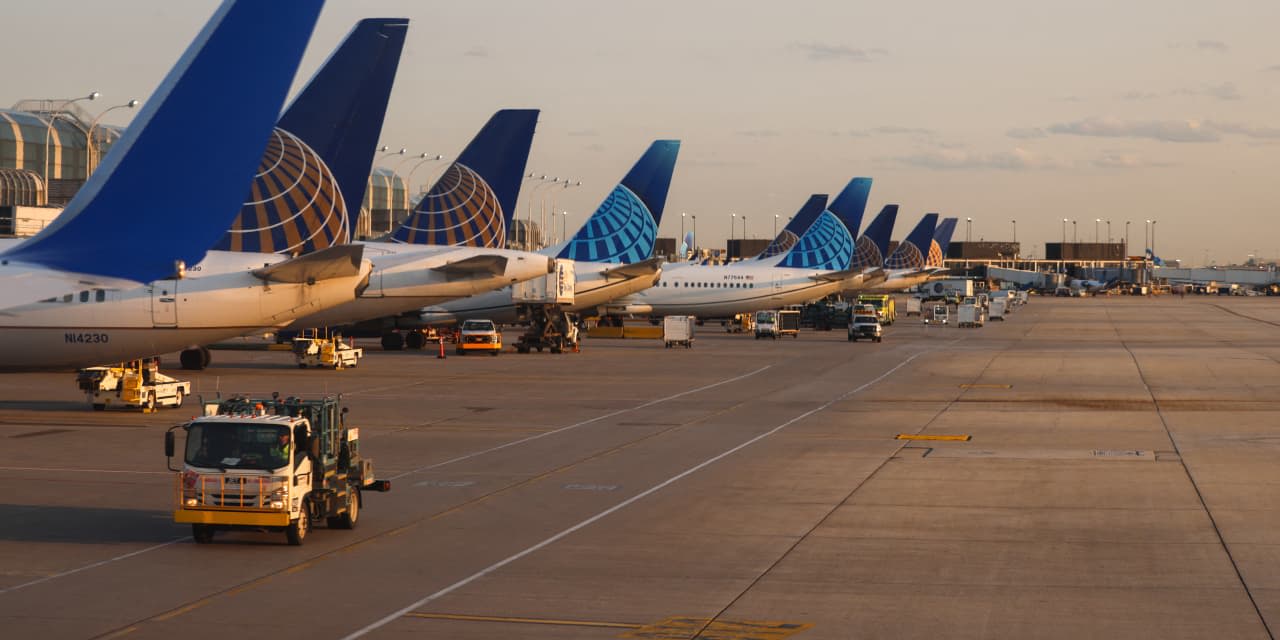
675	627
961	437
512	620
986	386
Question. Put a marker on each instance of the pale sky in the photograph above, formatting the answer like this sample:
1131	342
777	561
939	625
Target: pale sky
996	110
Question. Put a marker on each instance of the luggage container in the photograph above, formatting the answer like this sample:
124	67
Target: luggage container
677	331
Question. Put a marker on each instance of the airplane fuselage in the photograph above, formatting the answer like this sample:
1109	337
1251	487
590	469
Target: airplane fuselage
720	291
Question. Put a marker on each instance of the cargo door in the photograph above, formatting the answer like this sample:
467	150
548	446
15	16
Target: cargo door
164	303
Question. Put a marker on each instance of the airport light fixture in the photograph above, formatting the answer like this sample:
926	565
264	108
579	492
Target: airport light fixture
694	219
1075	235
1095	229
423	159
1108	232
1064	232
682	217
48	130
564	226
968	229
1126	238
733	222
1015	229
775	225
91	162
567	184
744	226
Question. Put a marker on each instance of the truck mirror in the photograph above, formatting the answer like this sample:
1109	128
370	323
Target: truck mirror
168	444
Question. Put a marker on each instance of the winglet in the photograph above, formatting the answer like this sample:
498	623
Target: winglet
911	252
229	85
624	228
874	243
474	201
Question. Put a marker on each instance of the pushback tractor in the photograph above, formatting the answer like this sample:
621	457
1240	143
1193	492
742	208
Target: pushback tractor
270	464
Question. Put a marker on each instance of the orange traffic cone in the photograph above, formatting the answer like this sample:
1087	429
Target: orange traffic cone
441	356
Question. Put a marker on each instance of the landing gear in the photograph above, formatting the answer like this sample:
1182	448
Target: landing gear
195	359
392	342
415	340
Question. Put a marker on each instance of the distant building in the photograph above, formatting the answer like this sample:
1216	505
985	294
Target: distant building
983	250
665	247
740	249
1083	251
45	151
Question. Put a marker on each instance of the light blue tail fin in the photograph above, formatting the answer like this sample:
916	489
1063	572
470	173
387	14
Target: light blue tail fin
311	181
142	212
941	241
826	245
911	252
474	202
851	203
874	243
624	228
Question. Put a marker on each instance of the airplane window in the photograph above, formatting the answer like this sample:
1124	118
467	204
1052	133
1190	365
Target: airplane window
99	295
84	296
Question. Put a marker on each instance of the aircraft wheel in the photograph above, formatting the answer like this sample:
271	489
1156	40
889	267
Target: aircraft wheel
415	340
392	342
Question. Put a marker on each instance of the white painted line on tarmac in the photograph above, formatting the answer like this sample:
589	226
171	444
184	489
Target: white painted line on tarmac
579	424
91	566
621	505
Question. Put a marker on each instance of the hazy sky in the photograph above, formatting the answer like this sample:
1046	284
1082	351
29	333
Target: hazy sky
995	110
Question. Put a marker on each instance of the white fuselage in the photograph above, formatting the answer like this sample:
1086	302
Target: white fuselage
218	299
405	278
592	288
715	291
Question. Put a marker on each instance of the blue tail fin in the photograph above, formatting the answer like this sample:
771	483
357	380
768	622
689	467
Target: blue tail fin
941	241
826	245
911	252
625	226
325	139
874	243
795	228
230	85
474	202
851	203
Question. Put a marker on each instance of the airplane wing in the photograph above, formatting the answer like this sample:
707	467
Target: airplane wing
482	264
335	262
635	269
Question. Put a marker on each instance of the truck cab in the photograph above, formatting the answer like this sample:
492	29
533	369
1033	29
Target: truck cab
767	324
270	464
865	325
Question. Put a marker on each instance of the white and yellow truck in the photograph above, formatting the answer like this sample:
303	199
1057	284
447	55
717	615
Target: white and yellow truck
137	383
270	464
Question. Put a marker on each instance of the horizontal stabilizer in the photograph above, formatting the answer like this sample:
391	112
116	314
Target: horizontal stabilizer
342	261
483	264
635	269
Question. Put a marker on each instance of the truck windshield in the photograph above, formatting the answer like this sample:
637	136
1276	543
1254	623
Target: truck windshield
238	445
764	316
477	325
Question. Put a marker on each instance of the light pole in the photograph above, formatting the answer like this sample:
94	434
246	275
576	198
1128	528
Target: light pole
968	230
556	192
744	226
425	159
1108	232
1126	238
528	208
682	217
53	115
564	226
694	219
1095	229
733	222
1153	240
1064	233
90	163
1075	235
1015	230
775	225
386	153
1146	237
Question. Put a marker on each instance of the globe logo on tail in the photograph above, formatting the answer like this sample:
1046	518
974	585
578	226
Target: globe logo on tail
906	256
781	244
826	246
867	254
622	230
294	204
460	210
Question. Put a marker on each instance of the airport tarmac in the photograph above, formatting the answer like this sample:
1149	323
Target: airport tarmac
1119	479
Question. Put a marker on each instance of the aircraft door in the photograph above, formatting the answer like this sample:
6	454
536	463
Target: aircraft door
164	303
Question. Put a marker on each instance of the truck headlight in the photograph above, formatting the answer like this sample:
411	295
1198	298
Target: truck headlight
190	502
277	504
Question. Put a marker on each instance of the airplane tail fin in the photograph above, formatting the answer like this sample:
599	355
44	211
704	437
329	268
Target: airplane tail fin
851	203
911	252
474	201
941	241
873	245
826	245
796	227
311	181
107	228
624	228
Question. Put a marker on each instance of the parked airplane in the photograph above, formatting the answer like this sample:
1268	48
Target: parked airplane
818	265
908	265
109	235
112	321
610	252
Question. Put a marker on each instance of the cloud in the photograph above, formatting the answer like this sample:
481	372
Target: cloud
825	52
760	133
1224	91
1018	159
1121	160
1274	67
478	51
1139	95
1163	130
895	130
1212	46
1026	133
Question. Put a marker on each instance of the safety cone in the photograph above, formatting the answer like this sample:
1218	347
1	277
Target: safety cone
442	356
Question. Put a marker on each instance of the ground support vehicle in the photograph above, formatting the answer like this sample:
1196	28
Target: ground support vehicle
767	324
915	306
969	315
317	348
549	328
866	326
789	323
999	306
270	464
884	305
137	383
740	323
479	336
937	314
677	331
